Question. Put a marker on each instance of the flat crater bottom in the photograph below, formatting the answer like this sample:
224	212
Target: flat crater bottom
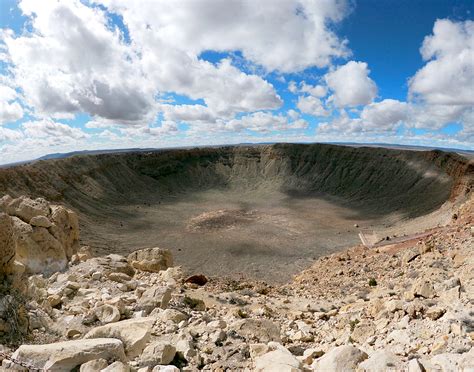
258	234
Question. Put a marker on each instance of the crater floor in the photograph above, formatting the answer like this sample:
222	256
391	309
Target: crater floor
258	234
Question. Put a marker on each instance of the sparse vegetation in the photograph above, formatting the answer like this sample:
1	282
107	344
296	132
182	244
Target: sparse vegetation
353	324
372	282
13	318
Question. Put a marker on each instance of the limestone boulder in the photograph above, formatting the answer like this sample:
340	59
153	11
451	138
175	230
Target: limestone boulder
107	314
37	249
157	353
134	333
423	288
93	365
341	358
41	221
26	208
154	297
116	367
381	360
112	263
151	259
65	229
68	355
46	236
258	330
277	360
5	200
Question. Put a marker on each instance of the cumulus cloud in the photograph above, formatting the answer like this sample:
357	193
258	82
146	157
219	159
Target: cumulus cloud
448	76
435	116
73	62
10	134
188	113
351	85
384	115
10	110
264	122
311	105
263	32
50	129
378	117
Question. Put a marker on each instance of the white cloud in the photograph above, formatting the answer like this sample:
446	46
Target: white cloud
188	113
448	76
314	90
117	81
48	129
379	117
351	85
10	110
384	115
264	122
292	87
311	105
434	117
9	134
167	128
263	32
73	62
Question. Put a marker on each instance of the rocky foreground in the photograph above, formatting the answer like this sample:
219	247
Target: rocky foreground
406	306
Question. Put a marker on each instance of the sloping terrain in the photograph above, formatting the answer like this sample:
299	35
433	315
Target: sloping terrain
264	211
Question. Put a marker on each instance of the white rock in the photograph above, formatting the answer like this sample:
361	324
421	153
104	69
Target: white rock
117	367
341	358
67	355
157	353
93	365
41	221
134	333
381	360
154	297
108	314
173	315
165	369
277	360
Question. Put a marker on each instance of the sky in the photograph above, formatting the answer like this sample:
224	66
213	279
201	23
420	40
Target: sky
108	74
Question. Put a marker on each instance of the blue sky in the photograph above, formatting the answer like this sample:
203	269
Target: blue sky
78	75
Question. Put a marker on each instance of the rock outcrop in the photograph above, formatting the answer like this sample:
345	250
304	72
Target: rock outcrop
43	236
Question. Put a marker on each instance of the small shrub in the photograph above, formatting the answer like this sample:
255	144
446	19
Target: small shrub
372	282
353	324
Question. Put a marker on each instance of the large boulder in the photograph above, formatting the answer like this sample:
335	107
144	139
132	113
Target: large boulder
158	352
381	360
154	297
151	259
69	355
26	208
134	333
341	358
277	360
258	330
37	249
46	236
